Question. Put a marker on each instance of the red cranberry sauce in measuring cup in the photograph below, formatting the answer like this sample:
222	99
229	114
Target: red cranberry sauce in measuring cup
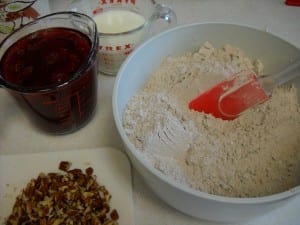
45	58
45	62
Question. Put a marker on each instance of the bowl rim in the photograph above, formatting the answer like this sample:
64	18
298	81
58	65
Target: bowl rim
164	178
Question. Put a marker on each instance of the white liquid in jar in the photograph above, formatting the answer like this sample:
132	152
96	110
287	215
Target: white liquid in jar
118	21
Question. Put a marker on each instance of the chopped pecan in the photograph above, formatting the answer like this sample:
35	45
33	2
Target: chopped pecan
89	171
114	215
71	197
64	166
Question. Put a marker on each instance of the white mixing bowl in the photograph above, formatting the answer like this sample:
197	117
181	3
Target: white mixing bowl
273	52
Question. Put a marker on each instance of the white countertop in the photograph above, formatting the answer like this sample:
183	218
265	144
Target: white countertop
18	136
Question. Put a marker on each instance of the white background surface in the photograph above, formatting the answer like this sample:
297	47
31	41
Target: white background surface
18	136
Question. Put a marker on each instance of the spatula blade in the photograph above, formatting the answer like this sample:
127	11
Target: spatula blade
229	98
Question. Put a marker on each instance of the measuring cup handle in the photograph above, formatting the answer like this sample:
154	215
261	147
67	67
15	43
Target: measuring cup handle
165	13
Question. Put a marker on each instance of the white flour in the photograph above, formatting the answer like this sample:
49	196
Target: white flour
256	154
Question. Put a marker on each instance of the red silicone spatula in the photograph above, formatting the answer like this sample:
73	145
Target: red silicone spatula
229	98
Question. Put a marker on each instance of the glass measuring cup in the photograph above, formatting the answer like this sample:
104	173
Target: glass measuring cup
123	25
50	67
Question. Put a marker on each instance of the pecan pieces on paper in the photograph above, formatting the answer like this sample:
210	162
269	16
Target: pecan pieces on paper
69	197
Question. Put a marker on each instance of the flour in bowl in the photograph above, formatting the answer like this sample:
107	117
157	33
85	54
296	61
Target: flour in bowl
256	154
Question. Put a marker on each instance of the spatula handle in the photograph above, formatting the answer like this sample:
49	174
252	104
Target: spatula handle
288	74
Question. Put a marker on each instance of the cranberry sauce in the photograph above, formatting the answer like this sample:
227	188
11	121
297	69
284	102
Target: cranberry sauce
45	58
